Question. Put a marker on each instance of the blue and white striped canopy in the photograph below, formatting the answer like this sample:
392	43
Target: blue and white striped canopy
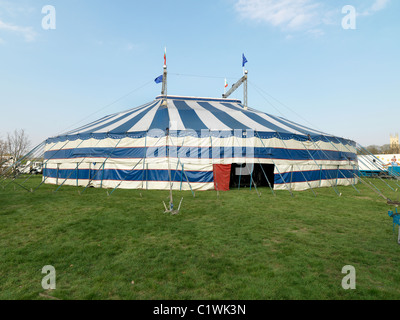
193	114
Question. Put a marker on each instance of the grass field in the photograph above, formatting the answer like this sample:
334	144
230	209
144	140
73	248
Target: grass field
239	246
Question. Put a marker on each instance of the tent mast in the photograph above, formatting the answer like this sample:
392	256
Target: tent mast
164	80
164	83
236	86
246	106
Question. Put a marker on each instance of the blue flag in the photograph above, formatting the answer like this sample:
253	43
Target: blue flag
159	79
244	61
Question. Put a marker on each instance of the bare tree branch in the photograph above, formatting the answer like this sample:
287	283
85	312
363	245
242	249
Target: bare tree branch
17	144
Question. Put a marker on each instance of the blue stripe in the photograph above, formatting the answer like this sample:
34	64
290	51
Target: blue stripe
200	152
193	176
315	175
129	124
197	134
188	116
296	127
257	118
114	121
305	127
91	124
161	119
130	175
223	117
280	120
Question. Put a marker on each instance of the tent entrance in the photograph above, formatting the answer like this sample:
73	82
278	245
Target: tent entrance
241	175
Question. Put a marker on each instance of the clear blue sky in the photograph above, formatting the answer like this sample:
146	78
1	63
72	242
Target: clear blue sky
344	82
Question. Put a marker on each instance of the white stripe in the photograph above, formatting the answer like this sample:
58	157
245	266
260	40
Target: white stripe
122	121
211	122
87	125
277	123
114	117
145	122
175	119
241	117
302	127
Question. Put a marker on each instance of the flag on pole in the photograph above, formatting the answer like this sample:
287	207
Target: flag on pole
159	79
226	84
244	61
165	56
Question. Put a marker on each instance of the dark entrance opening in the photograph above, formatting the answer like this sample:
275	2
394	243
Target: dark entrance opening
242	173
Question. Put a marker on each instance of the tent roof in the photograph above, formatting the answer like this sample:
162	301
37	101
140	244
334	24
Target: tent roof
191	114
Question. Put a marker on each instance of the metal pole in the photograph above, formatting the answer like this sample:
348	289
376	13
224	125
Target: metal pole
276	167
291	178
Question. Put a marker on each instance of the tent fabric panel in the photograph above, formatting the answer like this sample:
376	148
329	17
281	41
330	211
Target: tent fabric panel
160	119
224	117
313	175
146	185
257	118
115	122
129	122
202	152
241	117
130	175
188	116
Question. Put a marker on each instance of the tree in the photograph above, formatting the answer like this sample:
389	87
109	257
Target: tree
385	149
17	144
3	152
373	149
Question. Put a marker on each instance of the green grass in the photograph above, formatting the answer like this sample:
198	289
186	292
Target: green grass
239	246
